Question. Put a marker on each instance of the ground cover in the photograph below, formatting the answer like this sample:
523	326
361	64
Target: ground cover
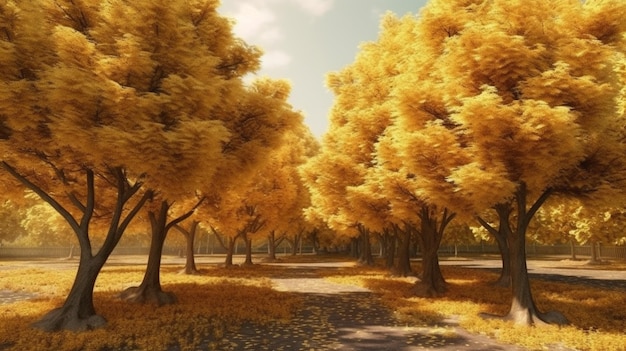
597	316
221	302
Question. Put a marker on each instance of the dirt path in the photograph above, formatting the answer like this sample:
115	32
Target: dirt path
344	317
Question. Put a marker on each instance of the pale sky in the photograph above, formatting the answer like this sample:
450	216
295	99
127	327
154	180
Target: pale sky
303	40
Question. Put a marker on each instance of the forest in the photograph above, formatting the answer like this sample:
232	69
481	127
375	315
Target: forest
492	120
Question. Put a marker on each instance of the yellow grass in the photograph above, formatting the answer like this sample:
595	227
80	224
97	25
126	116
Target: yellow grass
597	316
221	300
209	305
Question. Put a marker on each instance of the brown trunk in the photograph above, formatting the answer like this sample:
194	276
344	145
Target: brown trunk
248	242
501	235
354	248
572	246
523	309
403	265
297	244
365	249
230	251
432	283
150	288
594	252
190	237
78	312
271	246
390	242
315	242
71	253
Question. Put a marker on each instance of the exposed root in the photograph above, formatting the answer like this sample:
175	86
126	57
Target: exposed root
190	271
66	318
528	318
144	295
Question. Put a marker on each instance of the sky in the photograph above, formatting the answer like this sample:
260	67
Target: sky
303	40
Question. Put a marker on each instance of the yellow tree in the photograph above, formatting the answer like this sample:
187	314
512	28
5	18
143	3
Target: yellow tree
281	193
11	217
261	119
121	95
519	102
338	176
203	96
55	143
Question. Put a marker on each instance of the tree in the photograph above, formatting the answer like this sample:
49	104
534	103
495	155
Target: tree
338	176
261	119
51	93
121	95
10	222
514	97
280	193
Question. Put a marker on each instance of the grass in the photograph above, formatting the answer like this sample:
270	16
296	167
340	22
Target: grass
209	307
220	301
597	316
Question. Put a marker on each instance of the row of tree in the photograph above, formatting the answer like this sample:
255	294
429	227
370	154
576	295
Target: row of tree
121	114
478	112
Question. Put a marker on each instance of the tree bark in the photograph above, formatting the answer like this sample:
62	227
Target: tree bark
78	312
150	288
390	243
402	267
296	244
248	242
594	252
501	235
572	246
365	249
230	252
432	283
315	242
149	291
271	246
190	237
523	309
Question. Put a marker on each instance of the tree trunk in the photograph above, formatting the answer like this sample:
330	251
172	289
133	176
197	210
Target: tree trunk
150	288
71	253
594	253
572	246
432	283
403	265
248	242
78	312
297	244
365	252
523	309
230	251
390	243
190	237
501	235
315	242
271	246
354	248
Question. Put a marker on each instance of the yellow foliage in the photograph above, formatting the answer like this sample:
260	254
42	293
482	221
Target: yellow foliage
209	307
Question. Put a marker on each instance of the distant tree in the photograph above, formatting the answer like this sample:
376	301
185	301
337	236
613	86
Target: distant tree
11	217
